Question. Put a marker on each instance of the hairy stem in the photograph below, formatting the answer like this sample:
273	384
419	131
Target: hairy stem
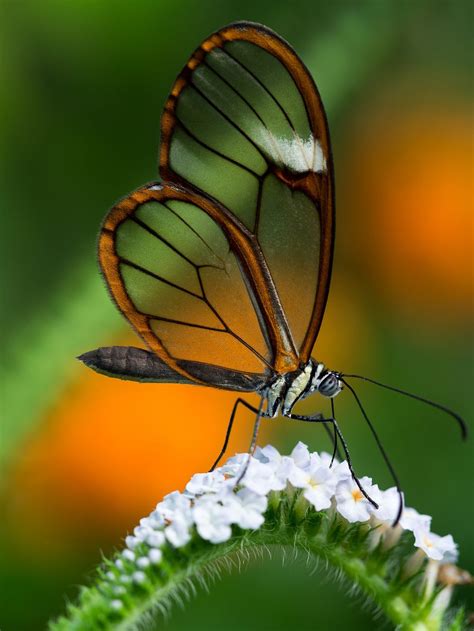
351	550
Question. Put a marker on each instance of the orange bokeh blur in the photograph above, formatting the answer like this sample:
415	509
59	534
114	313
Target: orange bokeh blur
110	449
411	200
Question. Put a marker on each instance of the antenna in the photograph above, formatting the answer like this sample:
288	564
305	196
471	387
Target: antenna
438	406
333	437
381	449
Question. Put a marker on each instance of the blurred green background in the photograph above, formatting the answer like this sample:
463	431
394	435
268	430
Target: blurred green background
82	84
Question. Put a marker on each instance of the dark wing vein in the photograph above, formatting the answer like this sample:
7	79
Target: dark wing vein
249	105
203	298
157	277
162	239
258	206
262	85
229	120
195	232
273	97
218	153
247	113
227	328
191	324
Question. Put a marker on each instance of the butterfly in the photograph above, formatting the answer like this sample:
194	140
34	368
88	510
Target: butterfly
223	266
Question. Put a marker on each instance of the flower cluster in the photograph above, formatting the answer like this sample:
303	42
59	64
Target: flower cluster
212	504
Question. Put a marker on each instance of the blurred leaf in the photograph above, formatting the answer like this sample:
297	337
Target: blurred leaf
41	361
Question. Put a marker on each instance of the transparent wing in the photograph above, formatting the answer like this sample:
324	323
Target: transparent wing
170	262
244	126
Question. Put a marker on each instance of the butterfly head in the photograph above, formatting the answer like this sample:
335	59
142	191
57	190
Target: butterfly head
326	382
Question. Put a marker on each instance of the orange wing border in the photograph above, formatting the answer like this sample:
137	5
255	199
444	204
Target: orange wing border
241	243
320	189
109	262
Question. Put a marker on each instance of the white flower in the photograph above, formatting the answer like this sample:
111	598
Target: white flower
450	551
303	459
178	532
129	555
143	562
211	504
139	577
155	520
234	465
212	519
280	465
318	482
389	504
174	504
176	511
252	506
131	542
351	503
262	478
412	520
340	470
140	534
156	538
205	483
325	458
300	455
155	556
436	547
268	454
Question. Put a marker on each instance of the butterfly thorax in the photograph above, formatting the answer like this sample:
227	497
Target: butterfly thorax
286	390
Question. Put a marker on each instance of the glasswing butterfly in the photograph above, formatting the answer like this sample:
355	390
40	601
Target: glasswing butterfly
223	267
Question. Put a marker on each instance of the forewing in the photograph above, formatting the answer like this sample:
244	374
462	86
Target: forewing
169	259
244	125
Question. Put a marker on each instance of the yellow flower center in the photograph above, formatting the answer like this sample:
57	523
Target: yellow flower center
357	495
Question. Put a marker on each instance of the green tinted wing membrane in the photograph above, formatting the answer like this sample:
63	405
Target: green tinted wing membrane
244	125
240	116
288	231
174	274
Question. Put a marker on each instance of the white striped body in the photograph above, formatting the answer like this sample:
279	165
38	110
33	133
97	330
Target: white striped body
287	389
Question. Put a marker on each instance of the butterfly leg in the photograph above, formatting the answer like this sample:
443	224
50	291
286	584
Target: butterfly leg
333	437
253	442
315	418
335	447
319	418
229	427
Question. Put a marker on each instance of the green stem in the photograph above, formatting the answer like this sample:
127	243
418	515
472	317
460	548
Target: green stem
349	549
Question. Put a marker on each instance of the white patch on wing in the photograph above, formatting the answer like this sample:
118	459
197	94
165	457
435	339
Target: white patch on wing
319	160
300	155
